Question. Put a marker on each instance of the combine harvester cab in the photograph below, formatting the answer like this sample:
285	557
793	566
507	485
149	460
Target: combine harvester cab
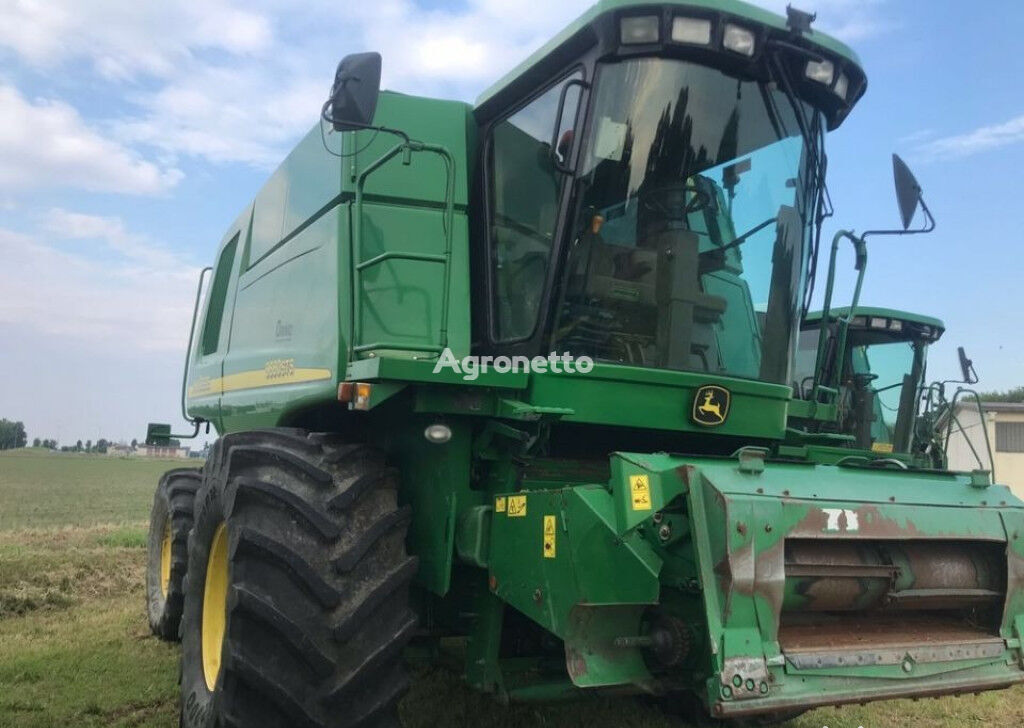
643	196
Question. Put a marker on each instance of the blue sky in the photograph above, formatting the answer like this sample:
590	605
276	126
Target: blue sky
133	133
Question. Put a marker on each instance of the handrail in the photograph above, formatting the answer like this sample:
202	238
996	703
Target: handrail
843	323
425	257
984	429
355	250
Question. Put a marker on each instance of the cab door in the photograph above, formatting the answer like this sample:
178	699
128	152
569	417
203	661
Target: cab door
526	199
205	382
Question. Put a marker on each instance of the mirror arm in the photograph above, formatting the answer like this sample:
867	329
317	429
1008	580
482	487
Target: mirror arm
929	224
325	114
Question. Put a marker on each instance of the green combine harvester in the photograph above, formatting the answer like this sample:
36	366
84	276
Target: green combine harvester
520	380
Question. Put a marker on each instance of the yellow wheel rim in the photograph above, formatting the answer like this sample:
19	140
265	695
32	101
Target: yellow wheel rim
215	605
165	560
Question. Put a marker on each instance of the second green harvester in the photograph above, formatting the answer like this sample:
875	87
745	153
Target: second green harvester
643	195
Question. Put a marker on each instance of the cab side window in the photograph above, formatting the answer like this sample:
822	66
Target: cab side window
524	189
218	297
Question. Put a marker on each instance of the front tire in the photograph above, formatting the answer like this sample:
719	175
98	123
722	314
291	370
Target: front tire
297	608
169	524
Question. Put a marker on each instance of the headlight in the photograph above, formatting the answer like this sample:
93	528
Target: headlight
695	31
639	29
821	71
738	40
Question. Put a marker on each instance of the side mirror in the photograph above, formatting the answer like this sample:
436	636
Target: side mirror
966	367
908	191
354	93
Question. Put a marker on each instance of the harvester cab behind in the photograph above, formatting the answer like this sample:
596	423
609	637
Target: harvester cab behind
883	375
887	408
516	377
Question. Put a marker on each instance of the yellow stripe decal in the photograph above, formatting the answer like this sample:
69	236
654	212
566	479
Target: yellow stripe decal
275	373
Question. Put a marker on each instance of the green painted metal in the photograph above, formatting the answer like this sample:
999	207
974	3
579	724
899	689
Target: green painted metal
289	303
590	531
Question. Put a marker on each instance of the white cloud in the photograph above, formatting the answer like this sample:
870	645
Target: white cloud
982	139
66	225
47	143
63	293
252	110
128	38
226	115
227	81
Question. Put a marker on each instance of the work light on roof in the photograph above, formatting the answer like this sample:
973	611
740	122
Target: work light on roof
640	29
738	40
842	86
821	71
693	31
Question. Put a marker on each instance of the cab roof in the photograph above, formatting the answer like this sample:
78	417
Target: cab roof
814	317
604	7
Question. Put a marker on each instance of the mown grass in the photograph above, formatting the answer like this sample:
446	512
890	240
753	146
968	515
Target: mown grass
75	648
39	488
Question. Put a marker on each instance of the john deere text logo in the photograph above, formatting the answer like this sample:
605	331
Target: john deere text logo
711	405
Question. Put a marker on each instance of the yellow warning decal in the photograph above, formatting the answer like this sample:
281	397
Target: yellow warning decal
884	447
516	506
549	537
640	492
499	504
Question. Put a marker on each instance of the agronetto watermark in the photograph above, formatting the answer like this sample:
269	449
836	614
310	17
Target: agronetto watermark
471	367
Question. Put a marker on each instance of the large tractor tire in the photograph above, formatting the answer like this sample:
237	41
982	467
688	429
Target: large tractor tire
297	600
169	524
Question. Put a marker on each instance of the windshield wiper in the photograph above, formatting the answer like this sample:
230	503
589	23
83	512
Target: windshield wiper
736	242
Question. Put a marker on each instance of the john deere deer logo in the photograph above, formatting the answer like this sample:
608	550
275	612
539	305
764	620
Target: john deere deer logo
710	405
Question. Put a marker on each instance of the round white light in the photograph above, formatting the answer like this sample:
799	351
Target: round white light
438	434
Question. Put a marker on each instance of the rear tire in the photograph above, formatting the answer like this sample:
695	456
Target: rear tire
314	613
169	524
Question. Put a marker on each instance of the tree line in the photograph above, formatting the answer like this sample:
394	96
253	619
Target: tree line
12	436
1010	395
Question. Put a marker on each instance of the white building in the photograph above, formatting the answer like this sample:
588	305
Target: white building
161	451
1004	423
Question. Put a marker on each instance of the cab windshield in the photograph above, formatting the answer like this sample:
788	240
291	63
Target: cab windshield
882	377
696	202
885	369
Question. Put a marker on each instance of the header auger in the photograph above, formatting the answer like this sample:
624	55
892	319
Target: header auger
645	192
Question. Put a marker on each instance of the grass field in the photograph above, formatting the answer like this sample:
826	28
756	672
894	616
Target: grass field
75	648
